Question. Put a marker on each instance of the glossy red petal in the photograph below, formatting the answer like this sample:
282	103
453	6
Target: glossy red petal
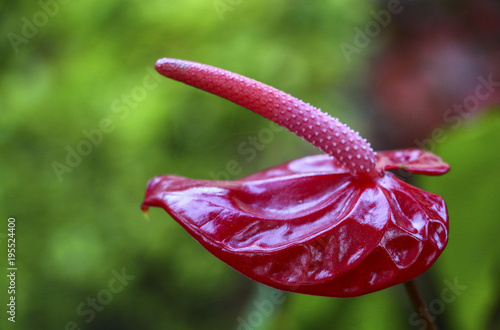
307	226
412	160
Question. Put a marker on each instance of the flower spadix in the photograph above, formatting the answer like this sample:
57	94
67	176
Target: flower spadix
308	122
337	224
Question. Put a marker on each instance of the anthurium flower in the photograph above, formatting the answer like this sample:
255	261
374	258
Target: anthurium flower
337	224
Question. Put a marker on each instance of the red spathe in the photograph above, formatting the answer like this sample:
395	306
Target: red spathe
309	226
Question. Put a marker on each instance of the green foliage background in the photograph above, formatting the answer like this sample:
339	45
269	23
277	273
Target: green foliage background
88	64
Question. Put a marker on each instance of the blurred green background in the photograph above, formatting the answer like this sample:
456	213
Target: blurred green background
86	122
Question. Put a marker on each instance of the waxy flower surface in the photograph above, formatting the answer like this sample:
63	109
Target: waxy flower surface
337	224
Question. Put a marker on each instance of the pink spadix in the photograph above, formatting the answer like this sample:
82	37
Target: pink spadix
308	122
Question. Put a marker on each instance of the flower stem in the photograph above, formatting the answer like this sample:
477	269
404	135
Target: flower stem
308	122
419	305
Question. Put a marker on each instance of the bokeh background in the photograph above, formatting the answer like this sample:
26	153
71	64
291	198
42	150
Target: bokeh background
85	123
